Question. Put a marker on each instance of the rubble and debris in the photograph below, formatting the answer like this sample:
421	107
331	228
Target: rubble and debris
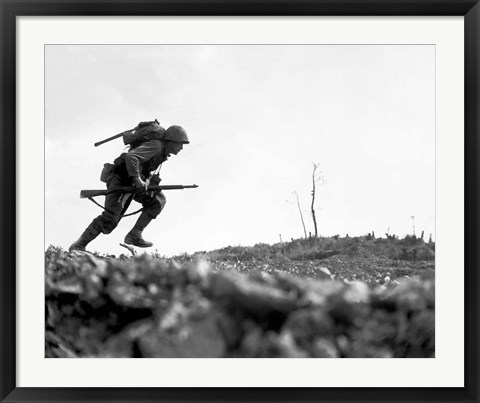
145	306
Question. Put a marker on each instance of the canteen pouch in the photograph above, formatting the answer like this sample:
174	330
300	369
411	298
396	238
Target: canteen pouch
107	172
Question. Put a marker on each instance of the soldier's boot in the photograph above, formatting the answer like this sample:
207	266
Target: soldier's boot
134	237
88	235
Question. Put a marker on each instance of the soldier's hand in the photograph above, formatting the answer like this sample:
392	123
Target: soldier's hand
140	185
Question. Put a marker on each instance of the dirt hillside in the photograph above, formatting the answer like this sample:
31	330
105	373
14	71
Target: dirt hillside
327	297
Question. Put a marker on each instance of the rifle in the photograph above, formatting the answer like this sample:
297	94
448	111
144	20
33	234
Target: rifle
86	194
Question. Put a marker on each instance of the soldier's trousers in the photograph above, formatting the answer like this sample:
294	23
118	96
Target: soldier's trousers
116	204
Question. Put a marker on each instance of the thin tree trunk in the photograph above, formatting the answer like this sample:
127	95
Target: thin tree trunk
313	201
301	215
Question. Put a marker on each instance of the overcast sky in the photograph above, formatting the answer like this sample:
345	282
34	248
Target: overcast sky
258	117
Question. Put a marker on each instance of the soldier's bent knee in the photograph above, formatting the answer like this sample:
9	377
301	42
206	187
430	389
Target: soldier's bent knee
153	210
106	223
162	200
155	207
109	227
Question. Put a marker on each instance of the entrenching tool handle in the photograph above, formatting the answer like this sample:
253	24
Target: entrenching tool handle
98	143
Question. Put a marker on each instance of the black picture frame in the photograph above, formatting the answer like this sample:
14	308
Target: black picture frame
9	10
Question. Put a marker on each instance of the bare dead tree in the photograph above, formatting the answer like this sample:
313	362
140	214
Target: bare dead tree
317	179
301	215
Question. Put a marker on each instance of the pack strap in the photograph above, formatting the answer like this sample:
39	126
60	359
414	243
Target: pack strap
124	215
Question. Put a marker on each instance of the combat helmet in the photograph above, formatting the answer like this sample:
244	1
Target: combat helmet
176	133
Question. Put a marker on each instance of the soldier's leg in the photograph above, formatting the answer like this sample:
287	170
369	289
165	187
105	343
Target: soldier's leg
87	236
152	206
115	206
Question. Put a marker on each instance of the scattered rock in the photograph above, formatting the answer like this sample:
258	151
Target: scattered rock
149	307
198	338
324	348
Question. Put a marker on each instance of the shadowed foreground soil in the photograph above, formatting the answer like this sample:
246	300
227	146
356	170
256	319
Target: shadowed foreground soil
350	297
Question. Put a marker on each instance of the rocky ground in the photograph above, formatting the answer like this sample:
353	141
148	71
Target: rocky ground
329	297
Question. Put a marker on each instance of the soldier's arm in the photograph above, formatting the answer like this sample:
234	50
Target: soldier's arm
135	158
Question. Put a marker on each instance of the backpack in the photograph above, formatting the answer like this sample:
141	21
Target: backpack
143	132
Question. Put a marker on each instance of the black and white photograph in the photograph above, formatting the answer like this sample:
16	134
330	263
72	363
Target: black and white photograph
263	201
240	201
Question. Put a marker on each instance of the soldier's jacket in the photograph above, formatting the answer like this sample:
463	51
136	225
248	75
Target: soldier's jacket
141	160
